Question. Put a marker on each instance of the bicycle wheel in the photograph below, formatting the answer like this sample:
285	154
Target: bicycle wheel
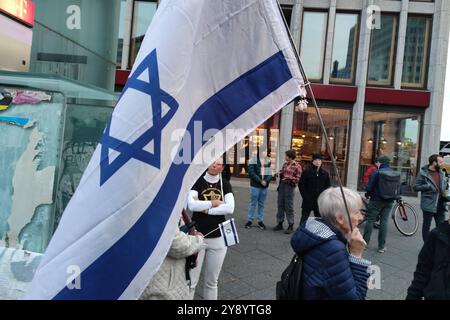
407	221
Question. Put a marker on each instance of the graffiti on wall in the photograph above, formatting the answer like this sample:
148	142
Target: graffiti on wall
30	124
84	128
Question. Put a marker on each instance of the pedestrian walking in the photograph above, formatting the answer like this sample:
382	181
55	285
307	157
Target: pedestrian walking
383	188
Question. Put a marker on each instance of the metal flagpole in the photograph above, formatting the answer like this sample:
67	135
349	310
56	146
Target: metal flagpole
311	94
221	186
211	232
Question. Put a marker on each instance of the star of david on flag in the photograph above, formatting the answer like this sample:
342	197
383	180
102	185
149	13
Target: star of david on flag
135	150
229	233
228	65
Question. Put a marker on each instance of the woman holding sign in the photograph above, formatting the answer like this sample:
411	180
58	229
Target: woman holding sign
211	198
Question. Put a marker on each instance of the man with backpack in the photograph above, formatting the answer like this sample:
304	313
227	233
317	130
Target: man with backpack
383	189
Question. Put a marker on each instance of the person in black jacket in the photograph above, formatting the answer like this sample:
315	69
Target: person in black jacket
432	276
312	183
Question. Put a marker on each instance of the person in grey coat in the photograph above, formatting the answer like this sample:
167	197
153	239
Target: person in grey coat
431	182
170	283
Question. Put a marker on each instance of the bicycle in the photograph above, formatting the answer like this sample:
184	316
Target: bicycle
404	215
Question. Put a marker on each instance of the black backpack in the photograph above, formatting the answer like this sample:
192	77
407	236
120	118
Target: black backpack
388	184
291	285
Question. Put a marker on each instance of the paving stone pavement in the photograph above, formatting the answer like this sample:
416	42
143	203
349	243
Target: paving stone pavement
252	268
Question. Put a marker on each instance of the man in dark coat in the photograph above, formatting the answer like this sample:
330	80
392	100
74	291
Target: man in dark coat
313	181
432	277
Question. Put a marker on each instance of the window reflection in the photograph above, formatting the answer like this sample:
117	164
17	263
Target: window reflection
307	137
416	51
143	13
312	45
395	135
265	137
382	46
344	47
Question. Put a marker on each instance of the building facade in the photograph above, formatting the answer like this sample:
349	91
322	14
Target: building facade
386	99
377	70
77	40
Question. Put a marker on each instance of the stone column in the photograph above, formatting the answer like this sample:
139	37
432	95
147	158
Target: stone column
127	35
287	113
329	42
354	145
401	45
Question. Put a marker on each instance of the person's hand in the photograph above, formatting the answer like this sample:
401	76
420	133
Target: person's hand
264	183
198	233
356	243
216	203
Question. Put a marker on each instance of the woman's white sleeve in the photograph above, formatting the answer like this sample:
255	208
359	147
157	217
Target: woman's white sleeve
225	208
197	205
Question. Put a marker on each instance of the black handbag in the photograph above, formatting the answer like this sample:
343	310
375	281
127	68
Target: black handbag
290	286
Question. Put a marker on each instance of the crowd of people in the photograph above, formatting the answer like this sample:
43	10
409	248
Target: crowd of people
330	243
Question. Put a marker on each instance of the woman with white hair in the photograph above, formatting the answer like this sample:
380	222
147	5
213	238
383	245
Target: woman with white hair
333	267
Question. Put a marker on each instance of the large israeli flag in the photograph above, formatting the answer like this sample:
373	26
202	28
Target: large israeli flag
203	65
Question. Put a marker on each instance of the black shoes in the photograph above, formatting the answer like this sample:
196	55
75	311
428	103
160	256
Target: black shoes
278	227
289	229
261	225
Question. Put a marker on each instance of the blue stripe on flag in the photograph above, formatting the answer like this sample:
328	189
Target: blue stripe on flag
112	272
224	235
234	230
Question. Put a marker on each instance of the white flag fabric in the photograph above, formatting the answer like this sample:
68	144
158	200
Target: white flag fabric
205	67
229	233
